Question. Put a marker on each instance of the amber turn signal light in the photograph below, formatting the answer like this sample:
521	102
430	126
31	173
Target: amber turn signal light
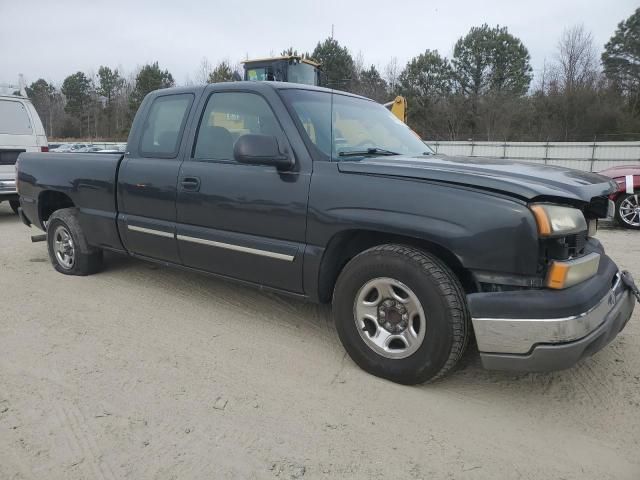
544	225
557	275
565	274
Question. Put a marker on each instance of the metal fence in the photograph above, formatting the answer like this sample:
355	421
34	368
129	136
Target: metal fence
588	156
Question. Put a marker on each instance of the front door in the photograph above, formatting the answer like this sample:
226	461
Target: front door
238	220
148	177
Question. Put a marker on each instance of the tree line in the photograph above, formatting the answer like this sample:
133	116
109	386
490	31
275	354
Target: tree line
485	91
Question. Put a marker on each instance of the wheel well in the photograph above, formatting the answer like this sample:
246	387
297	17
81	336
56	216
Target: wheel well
346	245
50	201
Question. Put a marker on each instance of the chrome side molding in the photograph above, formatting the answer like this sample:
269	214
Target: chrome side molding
237	248
150	231
213	243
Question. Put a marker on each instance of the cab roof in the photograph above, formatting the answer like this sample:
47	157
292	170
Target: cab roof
252	85
299	58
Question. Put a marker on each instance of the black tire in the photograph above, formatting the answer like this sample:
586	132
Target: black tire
636	224
436	287
14	204
86	259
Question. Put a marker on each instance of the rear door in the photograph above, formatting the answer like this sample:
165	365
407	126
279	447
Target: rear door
238	220
148	176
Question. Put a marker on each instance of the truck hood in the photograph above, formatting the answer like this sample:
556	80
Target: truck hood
522	179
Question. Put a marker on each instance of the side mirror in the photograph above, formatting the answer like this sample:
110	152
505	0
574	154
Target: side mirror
255	149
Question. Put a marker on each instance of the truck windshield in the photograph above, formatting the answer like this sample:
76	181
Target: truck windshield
347	128
259	74
302	73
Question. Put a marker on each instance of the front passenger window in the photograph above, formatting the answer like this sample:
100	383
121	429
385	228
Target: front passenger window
228	116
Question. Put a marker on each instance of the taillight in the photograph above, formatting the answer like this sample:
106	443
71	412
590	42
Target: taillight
44	149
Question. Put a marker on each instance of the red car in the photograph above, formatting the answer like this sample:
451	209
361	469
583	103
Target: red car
627	205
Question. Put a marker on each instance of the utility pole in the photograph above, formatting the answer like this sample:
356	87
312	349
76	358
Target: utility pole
332	31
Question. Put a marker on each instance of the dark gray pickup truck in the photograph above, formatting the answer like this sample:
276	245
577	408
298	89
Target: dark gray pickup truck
327	196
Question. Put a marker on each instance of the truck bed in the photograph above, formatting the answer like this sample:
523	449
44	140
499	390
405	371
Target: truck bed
88	179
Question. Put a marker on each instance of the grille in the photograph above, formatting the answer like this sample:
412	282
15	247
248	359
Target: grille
576	243
564	248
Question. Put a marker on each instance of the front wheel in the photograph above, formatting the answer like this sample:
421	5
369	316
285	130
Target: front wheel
401	314
628	210
68	248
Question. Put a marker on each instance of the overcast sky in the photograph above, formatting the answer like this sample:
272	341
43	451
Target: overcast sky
52	39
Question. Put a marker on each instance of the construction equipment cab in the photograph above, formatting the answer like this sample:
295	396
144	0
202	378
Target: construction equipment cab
297	69
290	68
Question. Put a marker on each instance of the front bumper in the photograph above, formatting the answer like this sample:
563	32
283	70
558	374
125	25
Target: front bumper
542	330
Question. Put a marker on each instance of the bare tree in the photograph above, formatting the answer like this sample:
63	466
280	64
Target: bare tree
574	79
576	61
203	72
392	74
542	79
358	64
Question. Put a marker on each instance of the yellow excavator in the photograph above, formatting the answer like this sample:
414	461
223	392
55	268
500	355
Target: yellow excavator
298	69
398	107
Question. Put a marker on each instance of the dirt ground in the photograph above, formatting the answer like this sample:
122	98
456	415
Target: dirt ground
145	372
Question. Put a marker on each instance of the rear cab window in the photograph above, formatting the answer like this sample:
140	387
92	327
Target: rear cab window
164	124
14	118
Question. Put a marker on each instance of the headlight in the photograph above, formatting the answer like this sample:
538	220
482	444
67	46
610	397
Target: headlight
555	220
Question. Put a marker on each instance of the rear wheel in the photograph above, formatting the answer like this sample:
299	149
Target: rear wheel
401	314
628	210
68	249
14	204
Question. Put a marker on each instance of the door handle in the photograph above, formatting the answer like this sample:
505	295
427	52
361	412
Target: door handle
190	183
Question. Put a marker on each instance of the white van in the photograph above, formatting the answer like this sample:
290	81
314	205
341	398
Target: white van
20	131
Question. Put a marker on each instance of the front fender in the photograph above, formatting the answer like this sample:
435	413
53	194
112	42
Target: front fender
486	231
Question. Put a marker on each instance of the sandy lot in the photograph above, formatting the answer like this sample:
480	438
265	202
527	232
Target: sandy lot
145	372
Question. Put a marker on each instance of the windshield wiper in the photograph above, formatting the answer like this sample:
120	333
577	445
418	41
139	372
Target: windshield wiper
368	151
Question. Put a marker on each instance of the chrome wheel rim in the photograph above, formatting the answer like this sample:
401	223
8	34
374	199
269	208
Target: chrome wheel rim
63	247
389	318
630	210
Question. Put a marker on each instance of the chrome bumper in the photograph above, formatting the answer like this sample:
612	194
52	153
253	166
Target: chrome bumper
7	187
520	336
